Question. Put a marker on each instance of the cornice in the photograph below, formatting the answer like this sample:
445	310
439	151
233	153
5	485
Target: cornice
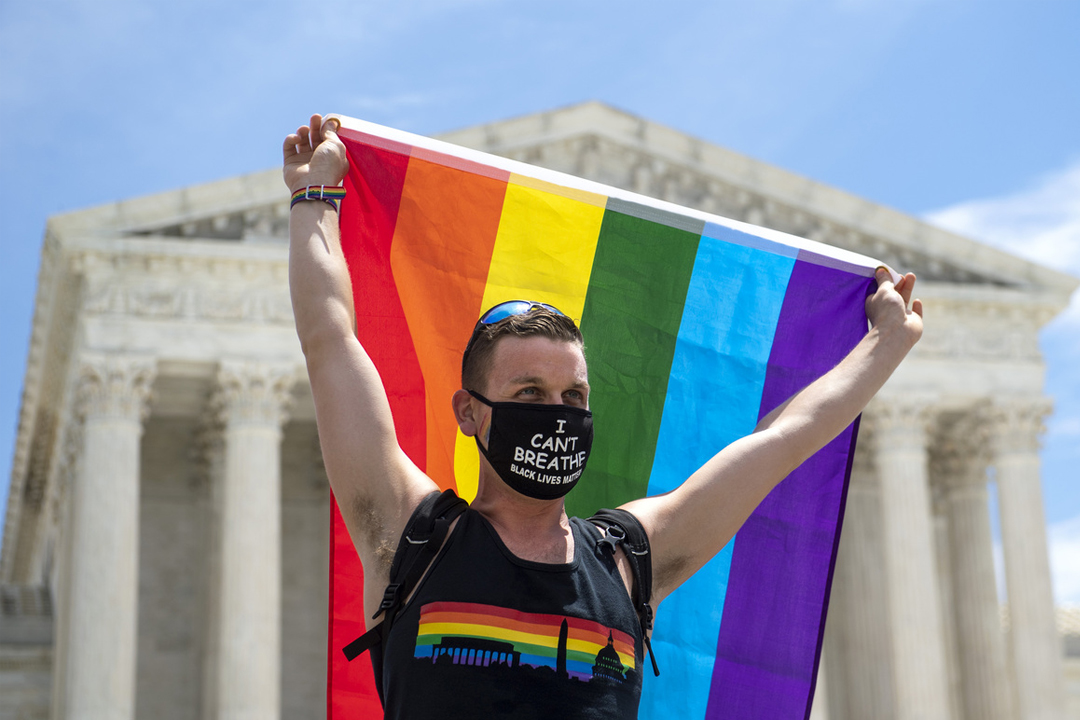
28	410
1032	309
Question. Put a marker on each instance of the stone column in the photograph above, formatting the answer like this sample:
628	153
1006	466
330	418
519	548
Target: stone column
1035	645
96	672
943	565
251	402
919	660
820	709
960	466
210	458
857	636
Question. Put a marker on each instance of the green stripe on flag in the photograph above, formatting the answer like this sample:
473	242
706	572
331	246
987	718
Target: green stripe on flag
631	319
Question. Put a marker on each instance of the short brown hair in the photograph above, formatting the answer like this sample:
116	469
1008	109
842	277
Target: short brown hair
538	321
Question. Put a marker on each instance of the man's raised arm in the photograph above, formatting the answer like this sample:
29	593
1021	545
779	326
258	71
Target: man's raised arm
376	485
693	522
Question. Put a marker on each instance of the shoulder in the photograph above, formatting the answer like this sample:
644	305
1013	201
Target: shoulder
607	537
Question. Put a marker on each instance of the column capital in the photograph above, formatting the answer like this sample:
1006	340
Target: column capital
1017	423
963	450
115	386
253	393
899	420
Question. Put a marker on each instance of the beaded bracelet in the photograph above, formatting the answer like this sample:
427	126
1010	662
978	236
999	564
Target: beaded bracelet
331	195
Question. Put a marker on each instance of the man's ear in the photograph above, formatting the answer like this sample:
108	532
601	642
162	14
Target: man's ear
466	413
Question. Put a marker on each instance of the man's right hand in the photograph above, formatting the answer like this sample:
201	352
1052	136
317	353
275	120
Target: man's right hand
314	155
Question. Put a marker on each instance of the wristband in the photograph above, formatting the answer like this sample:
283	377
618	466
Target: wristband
331	195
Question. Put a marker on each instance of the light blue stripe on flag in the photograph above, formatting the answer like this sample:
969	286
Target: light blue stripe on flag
717	375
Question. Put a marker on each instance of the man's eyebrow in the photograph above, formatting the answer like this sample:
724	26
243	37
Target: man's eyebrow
527	380
537	380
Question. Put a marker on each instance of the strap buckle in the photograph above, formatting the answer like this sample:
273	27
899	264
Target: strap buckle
389	599
613	536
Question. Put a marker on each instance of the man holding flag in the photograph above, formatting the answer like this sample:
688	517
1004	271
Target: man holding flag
515	565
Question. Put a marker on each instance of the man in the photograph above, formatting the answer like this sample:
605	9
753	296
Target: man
515	556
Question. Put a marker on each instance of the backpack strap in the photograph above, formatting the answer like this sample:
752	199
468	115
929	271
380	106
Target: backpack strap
420	542
623	528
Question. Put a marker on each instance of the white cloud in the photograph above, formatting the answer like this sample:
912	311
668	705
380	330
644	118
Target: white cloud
1041	223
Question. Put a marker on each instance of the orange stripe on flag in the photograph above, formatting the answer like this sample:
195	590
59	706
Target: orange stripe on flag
446	227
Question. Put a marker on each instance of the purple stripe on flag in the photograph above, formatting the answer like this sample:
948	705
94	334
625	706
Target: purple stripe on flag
783	555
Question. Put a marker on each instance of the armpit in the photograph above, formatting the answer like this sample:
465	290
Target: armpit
371	525
669	573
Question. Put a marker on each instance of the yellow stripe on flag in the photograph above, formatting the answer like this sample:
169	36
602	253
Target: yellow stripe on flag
544	252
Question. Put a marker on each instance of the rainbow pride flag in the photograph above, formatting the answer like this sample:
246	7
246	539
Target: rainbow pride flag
695	327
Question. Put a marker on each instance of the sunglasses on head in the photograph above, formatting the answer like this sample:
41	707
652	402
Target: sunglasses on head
513	307
500	312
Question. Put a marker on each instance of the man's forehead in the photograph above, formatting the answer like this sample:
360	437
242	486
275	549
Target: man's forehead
538	359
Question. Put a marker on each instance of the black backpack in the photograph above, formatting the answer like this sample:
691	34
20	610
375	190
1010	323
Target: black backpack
424	536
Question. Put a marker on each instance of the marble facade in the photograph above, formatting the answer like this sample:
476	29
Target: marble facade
165	544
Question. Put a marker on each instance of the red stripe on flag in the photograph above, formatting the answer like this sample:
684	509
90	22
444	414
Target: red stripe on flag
369	215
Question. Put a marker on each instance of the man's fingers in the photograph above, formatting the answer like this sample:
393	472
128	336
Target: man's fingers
305	140
883	277
905	287
289	145
317	130
916	307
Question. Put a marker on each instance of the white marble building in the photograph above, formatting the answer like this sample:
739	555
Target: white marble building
165	545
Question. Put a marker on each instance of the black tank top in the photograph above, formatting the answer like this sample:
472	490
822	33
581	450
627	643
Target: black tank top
488	635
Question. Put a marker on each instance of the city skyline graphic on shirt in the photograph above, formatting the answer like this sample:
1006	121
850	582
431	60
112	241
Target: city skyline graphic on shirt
488	636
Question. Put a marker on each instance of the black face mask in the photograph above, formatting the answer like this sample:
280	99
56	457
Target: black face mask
538	450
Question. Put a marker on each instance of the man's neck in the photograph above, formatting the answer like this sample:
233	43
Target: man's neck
535	530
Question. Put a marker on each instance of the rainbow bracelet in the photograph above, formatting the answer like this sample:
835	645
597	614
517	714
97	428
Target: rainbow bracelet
331	195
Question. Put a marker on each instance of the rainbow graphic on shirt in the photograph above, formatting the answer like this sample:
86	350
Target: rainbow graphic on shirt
487	635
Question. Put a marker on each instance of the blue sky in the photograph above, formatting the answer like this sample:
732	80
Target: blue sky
961	111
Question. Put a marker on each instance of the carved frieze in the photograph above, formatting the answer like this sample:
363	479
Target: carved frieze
190	288
984	328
